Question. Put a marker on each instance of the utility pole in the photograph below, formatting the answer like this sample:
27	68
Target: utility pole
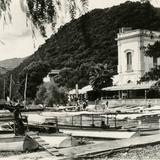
10	87
4	88
77	92
25	90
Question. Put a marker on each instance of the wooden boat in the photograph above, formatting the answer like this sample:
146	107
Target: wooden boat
10	142
59	140
100	134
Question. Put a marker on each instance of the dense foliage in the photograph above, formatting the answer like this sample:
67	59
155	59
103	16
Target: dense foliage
152	75
153	50
50	94
100	77
86	41
36	71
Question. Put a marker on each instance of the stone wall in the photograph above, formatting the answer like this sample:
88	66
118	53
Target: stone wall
119	102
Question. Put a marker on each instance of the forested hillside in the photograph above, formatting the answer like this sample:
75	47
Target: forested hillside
86	41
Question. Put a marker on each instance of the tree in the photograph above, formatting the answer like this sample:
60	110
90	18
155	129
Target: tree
42	12
36	72
100	77
50	94
41	94
153	50
152	75
83	73
1	86
66	78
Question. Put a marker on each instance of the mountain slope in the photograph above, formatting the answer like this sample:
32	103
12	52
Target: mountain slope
91	38
10	64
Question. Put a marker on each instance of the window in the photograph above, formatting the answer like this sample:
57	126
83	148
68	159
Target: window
129	61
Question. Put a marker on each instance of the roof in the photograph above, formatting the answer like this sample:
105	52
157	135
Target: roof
82	91
141	86
86	89
54	71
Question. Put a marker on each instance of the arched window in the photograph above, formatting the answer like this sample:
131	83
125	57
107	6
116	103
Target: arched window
129	61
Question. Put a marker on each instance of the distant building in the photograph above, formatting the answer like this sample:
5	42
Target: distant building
51	74
132	62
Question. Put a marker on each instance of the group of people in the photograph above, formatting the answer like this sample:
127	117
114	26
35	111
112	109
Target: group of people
81	105
104	106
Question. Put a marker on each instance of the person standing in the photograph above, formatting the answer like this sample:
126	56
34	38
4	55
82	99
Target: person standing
19	126
107	104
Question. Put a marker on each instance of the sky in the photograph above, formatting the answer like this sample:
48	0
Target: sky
16	37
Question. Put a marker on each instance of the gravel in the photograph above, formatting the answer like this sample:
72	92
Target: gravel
140	153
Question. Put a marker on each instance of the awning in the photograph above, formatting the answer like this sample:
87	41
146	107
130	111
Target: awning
85	89
141	86
73	91
81	91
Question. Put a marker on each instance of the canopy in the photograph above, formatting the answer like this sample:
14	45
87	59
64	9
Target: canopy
141	86
82	91
73	91
86	89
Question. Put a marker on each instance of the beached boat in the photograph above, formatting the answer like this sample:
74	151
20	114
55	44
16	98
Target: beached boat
10	142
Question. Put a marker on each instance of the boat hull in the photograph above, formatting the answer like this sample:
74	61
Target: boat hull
9	142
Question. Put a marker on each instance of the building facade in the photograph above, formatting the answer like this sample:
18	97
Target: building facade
50	76
132	62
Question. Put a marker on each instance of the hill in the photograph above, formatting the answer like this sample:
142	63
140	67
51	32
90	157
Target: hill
10	64
84	41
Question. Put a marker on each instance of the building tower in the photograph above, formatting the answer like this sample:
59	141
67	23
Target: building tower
132	62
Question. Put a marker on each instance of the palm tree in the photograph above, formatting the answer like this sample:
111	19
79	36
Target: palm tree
100	77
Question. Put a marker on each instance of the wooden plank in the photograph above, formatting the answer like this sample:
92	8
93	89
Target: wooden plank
50	149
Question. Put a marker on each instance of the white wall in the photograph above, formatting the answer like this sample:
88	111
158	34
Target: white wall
133	41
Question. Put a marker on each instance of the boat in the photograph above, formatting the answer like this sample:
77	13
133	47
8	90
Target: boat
10	142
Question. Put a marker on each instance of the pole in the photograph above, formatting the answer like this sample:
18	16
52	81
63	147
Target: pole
92	120
81	120
77	90
56	120
25	90
10	87
4	89
107	120
115	122
72	120
145	94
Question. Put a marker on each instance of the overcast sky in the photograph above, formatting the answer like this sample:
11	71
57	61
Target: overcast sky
16	38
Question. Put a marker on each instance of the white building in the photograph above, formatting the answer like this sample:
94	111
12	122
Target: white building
50	76
132	62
